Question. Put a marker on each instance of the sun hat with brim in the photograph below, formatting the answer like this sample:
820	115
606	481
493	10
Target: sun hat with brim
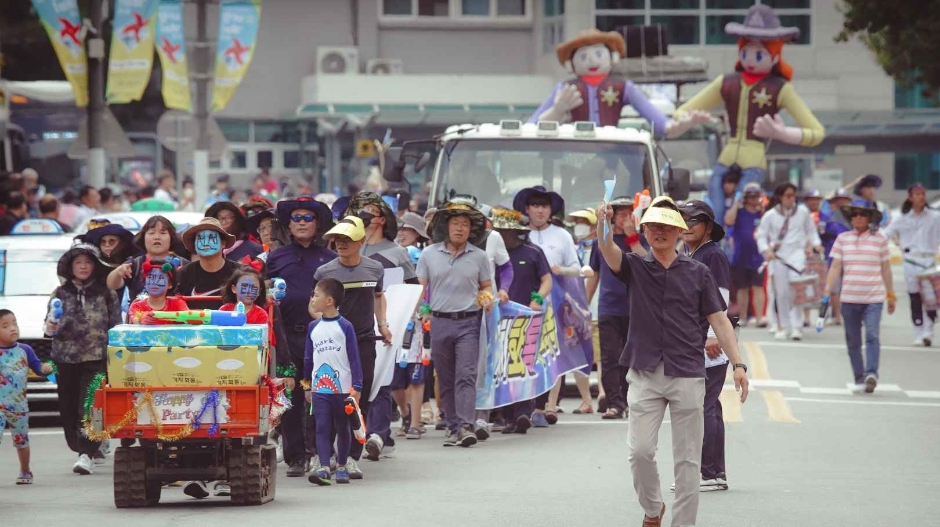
219	206
612	39
94	236
253	221
622	201
812	194
362	199
324	215
761	23
64	267
665	211
875	214
869	180
350	227
438	227
585	214
254	205
916	187
523	196
415	222
840	193
753	188
504	219
699	209
206	224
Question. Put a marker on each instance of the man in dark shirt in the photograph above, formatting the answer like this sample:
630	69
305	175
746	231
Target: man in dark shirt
17	209
702	244
613	309
363	307
679	299
208	275
531	285
307	221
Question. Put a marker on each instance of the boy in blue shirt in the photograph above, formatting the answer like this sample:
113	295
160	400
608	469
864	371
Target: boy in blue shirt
332	372
15	362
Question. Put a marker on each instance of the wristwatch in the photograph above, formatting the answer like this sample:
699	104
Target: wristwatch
739	365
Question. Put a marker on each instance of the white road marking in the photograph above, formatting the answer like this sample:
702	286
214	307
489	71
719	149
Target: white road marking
918	394
861	401
825	391
45	432
880	388
813	345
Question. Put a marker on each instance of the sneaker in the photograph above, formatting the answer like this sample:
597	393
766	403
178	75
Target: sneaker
320	477
221	488
450	439
858	387
105	447
538	420
657	521
796	334
781	334
295	470
83	466
98	457
498	425
523	424
352	466
481	430
601	404
388	451
919	341
25	477
373	447
509	428
466	438
870	382
440	425
722	481
196	489
342	474
413	433
708	485
280	450
763	323
927	342
551	417
401	432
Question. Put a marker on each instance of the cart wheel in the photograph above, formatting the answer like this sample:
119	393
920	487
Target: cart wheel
130	478
252	474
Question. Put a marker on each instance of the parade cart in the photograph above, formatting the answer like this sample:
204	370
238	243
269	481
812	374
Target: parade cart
198	401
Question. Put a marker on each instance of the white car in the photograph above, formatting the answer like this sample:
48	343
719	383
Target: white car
28	260
134	220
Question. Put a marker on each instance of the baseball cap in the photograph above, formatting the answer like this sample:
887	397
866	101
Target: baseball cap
350	227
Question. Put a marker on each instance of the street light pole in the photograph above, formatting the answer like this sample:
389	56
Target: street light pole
201	108
96	154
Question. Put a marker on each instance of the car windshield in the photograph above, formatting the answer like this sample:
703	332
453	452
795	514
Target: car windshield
30	274
494	170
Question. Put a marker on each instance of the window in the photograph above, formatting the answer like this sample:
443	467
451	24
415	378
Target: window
235	131
922	167
237	159
553	25
292	158
217	163
913	97
277	132
396	7
695	22
433	8
455	9
265	159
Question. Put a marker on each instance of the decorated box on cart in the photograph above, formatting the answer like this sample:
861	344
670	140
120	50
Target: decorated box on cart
182	356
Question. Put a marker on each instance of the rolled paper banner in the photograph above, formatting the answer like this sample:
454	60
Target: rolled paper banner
609	185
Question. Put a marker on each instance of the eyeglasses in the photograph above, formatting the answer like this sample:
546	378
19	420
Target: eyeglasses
297	218
859	213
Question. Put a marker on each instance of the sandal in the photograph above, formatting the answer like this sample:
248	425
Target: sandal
25	478
612	413
585	408
602	404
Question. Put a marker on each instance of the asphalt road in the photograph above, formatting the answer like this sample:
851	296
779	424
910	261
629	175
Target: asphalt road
801	451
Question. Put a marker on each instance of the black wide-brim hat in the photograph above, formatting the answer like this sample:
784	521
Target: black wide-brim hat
219	206
64	267
847	211
324	214
523	196
697	209
253	221
869	180
438	227
762	23
94	236
360	200
339	207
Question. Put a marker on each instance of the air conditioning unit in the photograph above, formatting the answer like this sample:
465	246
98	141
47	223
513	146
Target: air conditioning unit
385	67
332	60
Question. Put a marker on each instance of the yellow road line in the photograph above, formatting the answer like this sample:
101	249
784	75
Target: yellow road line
731	406
757	362
778	408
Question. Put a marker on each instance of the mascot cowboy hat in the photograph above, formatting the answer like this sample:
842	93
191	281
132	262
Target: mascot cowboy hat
611	39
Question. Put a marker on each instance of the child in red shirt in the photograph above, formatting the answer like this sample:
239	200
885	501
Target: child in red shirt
246	286
160	279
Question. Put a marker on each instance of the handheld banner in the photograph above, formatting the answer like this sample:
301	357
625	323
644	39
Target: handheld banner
63	24
401	302
238	35
171	47
527	351
131	50
609	185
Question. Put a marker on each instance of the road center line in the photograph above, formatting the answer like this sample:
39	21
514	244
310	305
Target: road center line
870	401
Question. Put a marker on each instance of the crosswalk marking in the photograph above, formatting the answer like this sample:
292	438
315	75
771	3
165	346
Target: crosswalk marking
841	347
916	394
864	401
825	391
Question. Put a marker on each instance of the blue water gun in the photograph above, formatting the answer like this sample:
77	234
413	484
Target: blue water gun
54	318
406	344
823	308
278	289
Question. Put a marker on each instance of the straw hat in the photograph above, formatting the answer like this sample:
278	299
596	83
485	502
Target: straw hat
504	219
206	224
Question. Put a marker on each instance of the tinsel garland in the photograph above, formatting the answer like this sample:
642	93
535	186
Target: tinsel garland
425	309
147	399
93	387
55	369
287	371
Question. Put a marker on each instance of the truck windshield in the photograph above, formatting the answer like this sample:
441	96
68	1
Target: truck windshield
494	170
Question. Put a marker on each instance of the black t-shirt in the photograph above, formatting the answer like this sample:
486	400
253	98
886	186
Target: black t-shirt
528	266
135	284
195	281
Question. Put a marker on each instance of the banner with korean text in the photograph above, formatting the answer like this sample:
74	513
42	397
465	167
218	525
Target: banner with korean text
527	351
63	24
171	47
238	35
131	50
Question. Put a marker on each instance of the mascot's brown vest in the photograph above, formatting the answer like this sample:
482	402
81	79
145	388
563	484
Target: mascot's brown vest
731	94
609	112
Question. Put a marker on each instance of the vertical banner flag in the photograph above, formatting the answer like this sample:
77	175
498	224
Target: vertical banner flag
238	35
171	46
63	23
131	50
527	351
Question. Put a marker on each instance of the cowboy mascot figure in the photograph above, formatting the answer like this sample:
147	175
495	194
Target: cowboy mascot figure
753	96
597	97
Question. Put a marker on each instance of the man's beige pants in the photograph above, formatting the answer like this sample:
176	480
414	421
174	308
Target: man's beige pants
650	393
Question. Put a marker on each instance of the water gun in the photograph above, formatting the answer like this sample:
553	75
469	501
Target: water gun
351	407
823	308
204	317
55	314
641	201
406	344
278	289
426	344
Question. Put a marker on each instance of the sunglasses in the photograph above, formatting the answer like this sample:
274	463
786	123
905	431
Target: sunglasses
297	218
692	222
862	214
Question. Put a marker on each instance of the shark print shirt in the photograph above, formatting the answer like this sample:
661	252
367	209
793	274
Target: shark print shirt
331	357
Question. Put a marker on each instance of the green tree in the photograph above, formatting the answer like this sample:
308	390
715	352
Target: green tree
904	35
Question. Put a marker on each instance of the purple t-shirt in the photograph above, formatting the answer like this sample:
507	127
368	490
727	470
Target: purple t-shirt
746	254
614	300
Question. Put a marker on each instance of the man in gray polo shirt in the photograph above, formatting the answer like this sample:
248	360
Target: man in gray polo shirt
673	300
457	276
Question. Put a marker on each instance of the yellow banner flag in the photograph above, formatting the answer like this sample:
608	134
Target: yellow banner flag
63	24
131	50
238	35
171	47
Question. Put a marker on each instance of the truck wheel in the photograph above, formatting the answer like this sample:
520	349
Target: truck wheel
252	474
130	478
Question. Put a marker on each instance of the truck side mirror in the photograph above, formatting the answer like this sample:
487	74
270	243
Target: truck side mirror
679	183
422	162
394	165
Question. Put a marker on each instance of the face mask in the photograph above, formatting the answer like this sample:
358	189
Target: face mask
246	290
208	243
156	283
581	230
366	217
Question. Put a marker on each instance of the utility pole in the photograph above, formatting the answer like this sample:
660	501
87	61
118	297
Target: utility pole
95	50
201	106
